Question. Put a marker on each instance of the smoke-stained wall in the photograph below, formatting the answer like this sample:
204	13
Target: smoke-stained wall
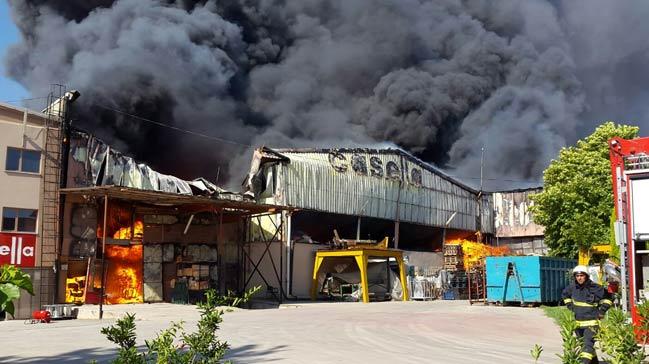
513	217
438	78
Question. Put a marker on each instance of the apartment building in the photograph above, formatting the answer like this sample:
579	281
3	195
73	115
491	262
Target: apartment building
29	181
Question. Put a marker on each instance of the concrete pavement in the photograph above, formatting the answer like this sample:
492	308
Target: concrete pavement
388	332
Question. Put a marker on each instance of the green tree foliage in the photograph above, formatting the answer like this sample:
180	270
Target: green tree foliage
12	280
577	196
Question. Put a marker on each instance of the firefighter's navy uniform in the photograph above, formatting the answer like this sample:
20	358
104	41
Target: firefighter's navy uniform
589	302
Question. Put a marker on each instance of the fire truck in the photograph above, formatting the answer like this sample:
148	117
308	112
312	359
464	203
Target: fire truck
630	172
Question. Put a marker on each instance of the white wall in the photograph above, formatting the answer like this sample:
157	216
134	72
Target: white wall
20	190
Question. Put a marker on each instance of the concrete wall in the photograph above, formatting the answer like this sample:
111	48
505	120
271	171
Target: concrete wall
303	257
27	303
424	260
513	217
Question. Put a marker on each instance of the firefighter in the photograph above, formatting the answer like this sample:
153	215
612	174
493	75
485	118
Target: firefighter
589	302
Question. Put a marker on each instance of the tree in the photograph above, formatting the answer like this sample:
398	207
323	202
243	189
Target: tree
12	280
577	196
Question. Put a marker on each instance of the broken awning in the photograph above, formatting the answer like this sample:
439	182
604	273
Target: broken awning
93	163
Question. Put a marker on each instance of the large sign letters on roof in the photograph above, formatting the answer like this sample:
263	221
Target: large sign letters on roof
392	167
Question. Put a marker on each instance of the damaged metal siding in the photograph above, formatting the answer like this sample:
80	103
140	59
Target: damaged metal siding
513	217
380	184
91	162
487	215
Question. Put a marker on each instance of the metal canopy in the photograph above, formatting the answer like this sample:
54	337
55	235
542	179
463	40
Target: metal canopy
165	199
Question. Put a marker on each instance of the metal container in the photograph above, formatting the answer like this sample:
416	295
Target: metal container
527	279
70	311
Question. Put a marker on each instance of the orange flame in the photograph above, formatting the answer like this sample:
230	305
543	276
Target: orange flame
125	232
474	253
124	274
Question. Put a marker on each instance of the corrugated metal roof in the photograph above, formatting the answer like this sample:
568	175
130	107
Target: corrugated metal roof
380	183
391	151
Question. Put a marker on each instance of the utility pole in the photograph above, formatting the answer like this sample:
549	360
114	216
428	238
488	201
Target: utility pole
481	168
479	220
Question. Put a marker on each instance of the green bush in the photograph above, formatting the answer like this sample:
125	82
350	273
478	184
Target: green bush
12	280
617	339
174	345
571	343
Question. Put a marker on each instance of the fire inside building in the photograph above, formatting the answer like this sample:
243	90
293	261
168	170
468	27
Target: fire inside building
366	194
132	235
123	233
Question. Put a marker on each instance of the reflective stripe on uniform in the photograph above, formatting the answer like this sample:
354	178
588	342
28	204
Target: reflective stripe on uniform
584	304
584	355
587	323
606	302
567	300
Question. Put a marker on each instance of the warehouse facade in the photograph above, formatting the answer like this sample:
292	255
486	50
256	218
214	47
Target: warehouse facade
363	193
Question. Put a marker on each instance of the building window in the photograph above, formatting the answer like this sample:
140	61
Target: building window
23	160
19	220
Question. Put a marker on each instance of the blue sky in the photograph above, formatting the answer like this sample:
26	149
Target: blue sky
9	90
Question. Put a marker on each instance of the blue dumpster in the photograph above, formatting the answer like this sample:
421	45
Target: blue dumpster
527	279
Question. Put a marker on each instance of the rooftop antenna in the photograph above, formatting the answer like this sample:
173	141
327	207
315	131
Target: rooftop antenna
481	168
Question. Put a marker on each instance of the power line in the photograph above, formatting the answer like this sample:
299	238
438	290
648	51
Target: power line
190	132
26	99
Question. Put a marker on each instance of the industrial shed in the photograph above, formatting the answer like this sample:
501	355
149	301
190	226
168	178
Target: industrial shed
363	193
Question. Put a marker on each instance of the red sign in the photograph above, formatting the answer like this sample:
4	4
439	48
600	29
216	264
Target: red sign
18	249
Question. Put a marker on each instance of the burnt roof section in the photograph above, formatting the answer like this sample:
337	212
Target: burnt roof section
165	199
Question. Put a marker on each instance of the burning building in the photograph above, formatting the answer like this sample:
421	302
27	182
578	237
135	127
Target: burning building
366	193
131	234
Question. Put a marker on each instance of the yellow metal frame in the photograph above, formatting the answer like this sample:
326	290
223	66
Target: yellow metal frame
586	254
361	256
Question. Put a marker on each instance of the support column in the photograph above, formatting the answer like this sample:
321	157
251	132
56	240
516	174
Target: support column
103	260
289	256
361	260
402	276
314	283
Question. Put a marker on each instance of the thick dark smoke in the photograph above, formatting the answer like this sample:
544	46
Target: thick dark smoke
441	79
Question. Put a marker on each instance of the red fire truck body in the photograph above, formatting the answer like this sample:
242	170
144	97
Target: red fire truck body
630	172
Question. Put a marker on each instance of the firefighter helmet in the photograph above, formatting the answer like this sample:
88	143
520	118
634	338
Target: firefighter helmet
581	269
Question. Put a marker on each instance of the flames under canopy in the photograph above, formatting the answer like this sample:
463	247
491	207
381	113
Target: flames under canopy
124	274
474	253
125	232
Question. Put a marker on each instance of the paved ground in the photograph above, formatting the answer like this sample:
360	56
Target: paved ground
390	332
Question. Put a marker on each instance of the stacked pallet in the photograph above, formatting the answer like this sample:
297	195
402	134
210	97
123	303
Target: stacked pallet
453	258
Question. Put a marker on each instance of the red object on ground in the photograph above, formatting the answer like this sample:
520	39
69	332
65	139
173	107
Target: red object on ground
43	316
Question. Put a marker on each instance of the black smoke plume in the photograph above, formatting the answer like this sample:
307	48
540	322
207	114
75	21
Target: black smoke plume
441	79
